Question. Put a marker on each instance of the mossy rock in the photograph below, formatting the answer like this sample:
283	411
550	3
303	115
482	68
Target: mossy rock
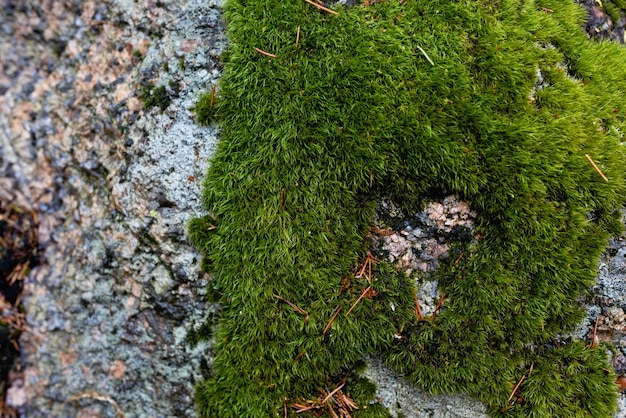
502	103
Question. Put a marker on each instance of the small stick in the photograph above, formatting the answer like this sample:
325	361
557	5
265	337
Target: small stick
596	168
418	310
595	330
359	299
362	271
298	357
545	9
319	6
285	407
530	372
294	306
298	37
426	55
438	305
330	395
337	310
267	54
333	414
345	283
282	193
303	408
556	343
458	259
212	95
515	388
368	261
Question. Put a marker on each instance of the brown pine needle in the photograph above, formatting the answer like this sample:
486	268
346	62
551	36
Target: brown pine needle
319	6
298	357
596	168
458	259
359	299
302	408
362	271
332	412
282	205
332	319
212	95
294	306
330	395
438	306
267	54
285	407
515	389
595	330
345	283
367	263
418	310
298	37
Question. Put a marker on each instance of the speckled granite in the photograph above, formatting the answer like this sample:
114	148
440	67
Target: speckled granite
118	286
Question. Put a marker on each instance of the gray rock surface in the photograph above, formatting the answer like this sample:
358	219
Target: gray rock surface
403	399
119	286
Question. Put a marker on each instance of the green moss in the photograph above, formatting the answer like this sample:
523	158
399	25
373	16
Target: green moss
405	98
206	108
152	96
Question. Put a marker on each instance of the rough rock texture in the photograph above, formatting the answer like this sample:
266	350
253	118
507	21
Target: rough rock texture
416	243
403	399
600	25
118	286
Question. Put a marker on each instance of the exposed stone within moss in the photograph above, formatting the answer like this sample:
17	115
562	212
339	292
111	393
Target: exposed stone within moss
321	114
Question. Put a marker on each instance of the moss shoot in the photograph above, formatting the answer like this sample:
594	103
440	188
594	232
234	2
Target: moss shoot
502	103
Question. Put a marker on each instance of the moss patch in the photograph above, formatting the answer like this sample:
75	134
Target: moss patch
497	102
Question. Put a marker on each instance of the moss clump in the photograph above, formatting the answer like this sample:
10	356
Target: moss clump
152	96
206	108
497	102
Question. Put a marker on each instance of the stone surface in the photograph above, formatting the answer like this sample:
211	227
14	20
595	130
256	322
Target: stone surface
118	286
404	400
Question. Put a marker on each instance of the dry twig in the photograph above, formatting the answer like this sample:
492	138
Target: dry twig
294	306
359	299
337	310
298	357
438	306
418	311
319	6
515	389
595	330
267	54
596	168
282	205
298	37
212	95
